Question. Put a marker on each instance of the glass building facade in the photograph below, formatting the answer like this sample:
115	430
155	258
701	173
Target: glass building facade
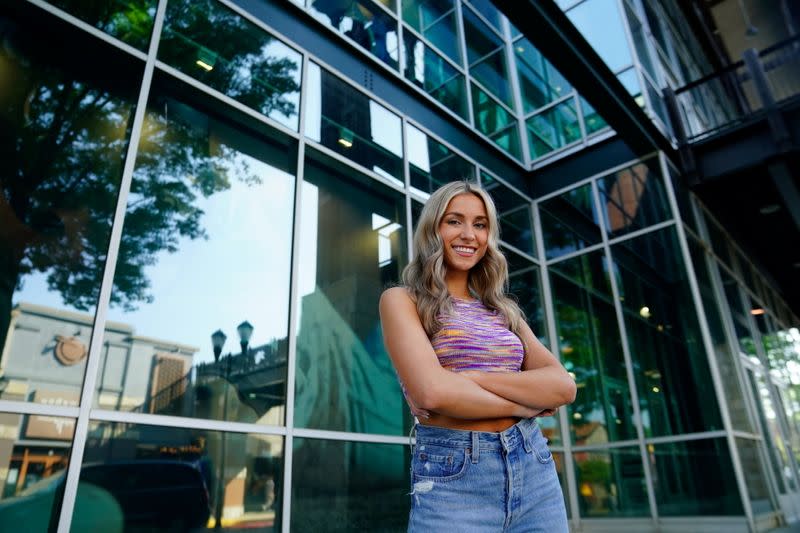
198	215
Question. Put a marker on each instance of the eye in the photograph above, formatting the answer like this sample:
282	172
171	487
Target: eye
480	225
453	222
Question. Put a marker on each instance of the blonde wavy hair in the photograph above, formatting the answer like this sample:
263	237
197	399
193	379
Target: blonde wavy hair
424	277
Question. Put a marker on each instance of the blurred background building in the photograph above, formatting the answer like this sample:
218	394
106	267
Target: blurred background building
202	200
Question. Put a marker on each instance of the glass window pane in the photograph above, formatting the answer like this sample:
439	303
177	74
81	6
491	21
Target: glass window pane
130	21
540	82
345	379
641	42
366	24
481	40
630	81
436	21
227	52
64	138
694	478
611	483
348	122
590	347
151	478
569	222
206	246
489	12
755	475
673	378
495	121
633	198
600	23
508	140
514	213
431	72
592	120
34	455
432	164
554	128
492	72
684	199
341	486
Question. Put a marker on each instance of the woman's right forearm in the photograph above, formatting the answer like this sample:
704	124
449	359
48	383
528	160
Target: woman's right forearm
459	397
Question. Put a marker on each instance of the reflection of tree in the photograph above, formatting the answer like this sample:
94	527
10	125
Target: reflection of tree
133	24
62	146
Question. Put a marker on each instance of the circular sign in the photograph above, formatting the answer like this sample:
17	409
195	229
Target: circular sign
69	350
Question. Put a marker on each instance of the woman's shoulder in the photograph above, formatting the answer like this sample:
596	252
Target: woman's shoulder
397	296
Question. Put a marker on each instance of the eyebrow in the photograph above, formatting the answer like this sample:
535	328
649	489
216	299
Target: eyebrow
457	214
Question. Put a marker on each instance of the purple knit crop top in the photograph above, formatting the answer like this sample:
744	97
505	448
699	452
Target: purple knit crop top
473	337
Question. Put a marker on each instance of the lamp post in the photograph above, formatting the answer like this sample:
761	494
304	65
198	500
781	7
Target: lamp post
217	342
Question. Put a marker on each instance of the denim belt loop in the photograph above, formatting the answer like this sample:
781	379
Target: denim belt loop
476	447
526	431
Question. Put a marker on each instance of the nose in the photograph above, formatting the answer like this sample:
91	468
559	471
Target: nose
467	232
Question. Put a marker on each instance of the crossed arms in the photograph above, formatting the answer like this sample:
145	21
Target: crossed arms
542	386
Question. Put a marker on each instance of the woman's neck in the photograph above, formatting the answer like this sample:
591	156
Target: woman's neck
458	285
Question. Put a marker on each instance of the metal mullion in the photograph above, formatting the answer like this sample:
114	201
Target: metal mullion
644	231
437	19
747	435
687	437
516	92
484	20
217	95
519	252
103	301
88	28
708	345
626	354
149	419
485	56
426	42
606	446
576	253
350	437
294	309
552	333
462	41
507	184
357	166
493	97
572	148
30	408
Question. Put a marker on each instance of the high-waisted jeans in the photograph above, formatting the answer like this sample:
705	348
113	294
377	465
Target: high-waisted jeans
473	481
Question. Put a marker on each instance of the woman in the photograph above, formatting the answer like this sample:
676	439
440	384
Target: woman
475	376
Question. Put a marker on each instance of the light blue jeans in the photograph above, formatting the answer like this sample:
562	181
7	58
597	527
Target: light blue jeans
473	481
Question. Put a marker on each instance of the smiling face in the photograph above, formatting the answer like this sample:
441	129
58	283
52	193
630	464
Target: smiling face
464	230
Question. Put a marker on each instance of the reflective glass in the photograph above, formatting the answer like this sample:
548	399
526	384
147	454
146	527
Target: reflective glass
611	483
640	42
362	21
222	49
340	486
771	433
694	478
719	242
684	199
630	81
431	72
206	246
590	348
554	128
569	222
34	454
353	245
351	124
600	23
514	213
481	39
493	120
63	139
755	474
656	101
155	478
726	359
592	120
540	82
558	460
436	21
492	73
671	365
130	21
489	12
432	164
633	198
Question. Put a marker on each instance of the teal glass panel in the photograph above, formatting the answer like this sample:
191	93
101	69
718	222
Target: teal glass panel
340	486
222	49
540	82
569	222
725	357
514	31
130	21
436	21
492	119
755	475
63	139
611	483
553	128
160	478
35	455
514	212
489	12
369	26
590	348
351	124
672	373
492	73
481	39
432	164
694	478
592	120
600	22
203	192
345	379
588	270
633	198
432	73
508	140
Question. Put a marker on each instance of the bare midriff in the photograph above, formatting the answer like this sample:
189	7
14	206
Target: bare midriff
493	425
